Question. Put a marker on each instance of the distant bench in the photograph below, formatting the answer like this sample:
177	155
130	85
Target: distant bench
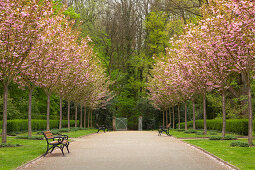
101	127
60	141
165	129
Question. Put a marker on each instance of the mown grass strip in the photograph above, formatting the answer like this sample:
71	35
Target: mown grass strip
13	157
242	157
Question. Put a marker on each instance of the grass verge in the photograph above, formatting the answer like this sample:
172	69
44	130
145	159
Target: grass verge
195	134
13	157
241	157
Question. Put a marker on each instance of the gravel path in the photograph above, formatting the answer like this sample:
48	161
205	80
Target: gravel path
128	150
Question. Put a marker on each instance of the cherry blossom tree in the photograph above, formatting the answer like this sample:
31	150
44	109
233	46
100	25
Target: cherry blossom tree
22	23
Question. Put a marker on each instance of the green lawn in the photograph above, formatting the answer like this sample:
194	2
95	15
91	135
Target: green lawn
178	134
242	157
12	157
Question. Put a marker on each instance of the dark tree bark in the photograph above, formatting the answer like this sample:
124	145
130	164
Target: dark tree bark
85	110
204	109
250	116
76	110
81	118
173	118
163	119
194	114
60	112
88	117
223	113
30	111
5	99
48	110
166	118
185	116
179	117
68	115
91	119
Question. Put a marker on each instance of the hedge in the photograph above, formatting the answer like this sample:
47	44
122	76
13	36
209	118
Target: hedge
238	126
18	125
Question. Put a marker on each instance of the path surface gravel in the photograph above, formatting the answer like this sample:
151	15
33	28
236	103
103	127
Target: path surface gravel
128	150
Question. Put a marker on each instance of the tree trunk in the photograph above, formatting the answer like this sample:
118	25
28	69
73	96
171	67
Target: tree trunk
179	117
204	108
30	111
194	114
68	115
223	113
5	98
60	112
249	111
173	118
48	111
166	118
170	115
163	118
76	110
91	117
85	114
81	118
185	116
88	118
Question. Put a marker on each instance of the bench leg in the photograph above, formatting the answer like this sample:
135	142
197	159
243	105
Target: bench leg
52	149
61	148
48	148
67	147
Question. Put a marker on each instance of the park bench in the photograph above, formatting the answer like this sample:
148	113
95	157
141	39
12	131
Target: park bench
101	127
165	129
60	141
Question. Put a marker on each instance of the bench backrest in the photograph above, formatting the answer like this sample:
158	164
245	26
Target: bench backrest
48	135
168	125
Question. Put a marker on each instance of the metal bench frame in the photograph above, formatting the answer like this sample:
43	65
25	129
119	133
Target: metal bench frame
165	129
61	142
100	127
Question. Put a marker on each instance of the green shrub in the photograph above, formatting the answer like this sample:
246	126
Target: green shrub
31	138
12	134
190	131
55	132
238	126
64	130
215	138
239	143
213	133
180	130
200	133
2	145
19	125
230	137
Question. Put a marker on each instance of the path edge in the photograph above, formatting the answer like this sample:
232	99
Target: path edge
212	155
41	156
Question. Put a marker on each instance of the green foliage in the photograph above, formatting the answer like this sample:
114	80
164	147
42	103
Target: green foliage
157	34
215	138
18	125
31	138
228	137
238	126
2	145
70	12
190	131
213	133
201	133
239	144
